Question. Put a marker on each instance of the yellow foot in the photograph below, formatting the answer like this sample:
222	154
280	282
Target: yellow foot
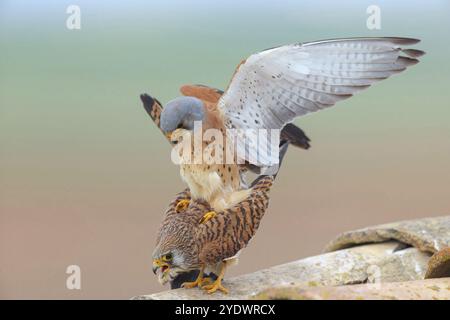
182	205
216	285
207	216
197	283
206	281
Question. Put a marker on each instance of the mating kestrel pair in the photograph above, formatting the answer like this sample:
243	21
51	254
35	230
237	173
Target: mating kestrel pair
268	91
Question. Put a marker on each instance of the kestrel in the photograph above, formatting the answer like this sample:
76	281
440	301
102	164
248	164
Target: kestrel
290	134
186	243
268	91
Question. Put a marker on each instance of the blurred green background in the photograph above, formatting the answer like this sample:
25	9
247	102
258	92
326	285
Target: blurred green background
85	177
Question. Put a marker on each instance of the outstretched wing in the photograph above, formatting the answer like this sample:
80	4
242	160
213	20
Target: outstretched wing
273	87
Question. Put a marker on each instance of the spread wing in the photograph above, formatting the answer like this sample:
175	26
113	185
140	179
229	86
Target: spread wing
274	86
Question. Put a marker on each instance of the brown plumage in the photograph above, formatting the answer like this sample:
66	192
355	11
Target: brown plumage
185	244
189	246
229	174
187	249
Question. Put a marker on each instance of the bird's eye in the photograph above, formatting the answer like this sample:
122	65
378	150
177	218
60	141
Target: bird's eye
167	257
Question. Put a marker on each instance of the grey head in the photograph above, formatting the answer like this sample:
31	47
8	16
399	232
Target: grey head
181	113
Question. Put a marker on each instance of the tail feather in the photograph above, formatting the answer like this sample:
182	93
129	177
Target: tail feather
295	136
290	135
283	149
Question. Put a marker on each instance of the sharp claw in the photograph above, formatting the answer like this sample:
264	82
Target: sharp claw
214	287
190	285
182	205
209	215
217	284
205	281
197	283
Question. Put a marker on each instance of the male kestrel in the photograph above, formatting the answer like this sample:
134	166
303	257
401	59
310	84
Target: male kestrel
290	134
268	91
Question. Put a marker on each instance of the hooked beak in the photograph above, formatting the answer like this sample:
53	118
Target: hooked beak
175	135
159	264
161	269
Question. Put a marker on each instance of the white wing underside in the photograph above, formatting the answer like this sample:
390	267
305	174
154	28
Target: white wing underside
273	87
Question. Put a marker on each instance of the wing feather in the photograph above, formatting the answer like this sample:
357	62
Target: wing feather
273	87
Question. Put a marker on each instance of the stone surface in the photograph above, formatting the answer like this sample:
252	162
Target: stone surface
368	263
432	289
439	265
429	234
397	252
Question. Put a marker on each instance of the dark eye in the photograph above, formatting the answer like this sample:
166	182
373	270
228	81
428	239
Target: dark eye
180	126
168	257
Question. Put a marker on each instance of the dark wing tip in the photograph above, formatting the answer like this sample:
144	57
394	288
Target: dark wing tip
393	40
295	136
413	53
402	40
146	99
148	103
406	61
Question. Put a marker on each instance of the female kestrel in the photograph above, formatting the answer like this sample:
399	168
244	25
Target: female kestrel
186	243
268	91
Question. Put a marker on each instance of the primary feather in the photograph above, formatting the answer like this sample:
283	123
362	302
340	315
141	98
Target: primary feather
273	87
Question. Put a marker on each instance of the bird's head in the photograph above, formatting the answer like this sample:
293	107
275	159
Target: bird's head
170	261
179	115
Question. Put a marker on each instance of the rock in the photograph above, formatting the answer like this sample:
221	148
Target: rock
439	265
429	234
432	289
357	262
380	262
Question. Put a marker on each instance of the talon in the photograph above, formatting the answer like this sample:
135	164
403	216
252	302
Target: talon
206	281
190	285
216	285
182	205
209	215
197	283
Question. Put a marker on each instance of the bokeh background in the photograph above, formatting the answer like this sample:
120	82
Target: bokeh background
85	177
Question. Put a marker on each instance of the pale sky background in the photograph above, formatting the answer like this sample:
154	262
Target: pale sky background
85	177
